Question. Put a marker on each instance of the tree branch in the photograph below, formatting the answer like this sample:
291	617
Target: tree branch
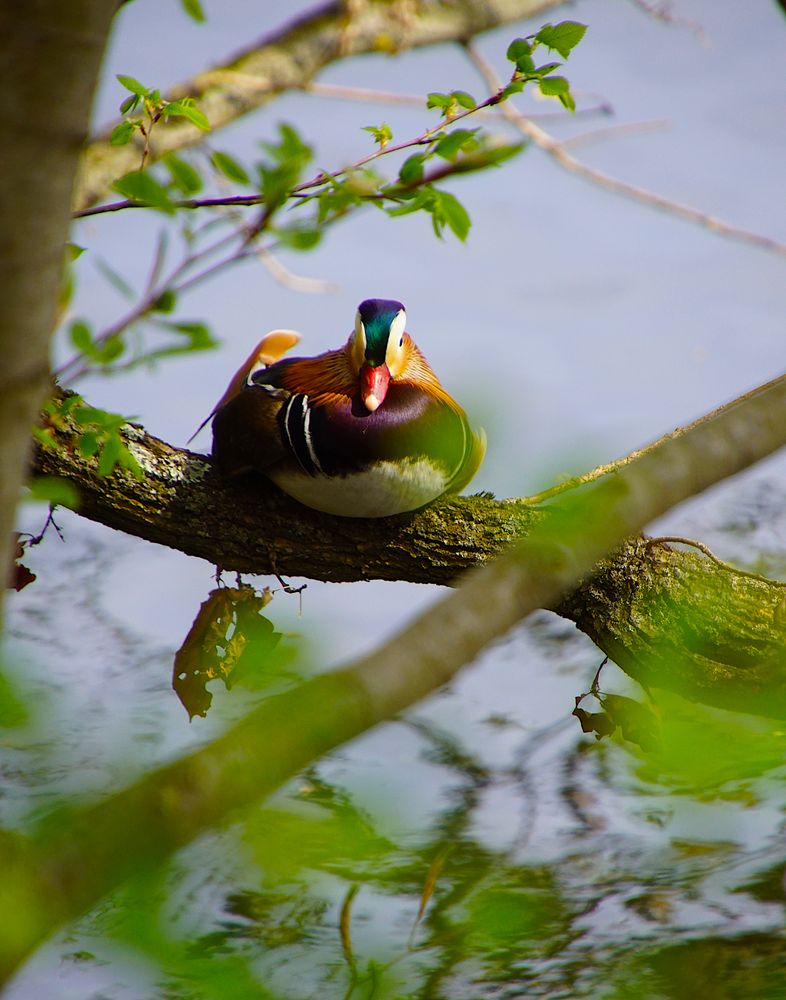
636	608
558	152
288	59
79	857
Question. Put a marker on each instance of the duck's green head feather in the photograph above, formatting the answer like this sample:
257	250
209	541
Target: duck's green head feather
376	322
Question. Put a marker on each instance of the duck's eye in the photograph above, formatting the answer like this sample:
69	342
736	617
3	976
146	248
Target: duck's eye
401	342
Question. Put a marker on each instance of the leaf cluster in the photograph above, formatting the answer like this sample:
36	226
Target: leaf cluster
155	107
278	184
561	38
99	437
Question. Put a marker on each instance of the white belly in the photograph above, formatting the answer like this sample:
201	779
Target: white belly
385	489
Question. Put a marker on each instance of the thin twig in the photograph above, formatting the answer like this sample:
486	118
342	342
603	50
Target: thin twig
615	132
158	263
662	12
121	206
369	96
557	151
680	540
297	282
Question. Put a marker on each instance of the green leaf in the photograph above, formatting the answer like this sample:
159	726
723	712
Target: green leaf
518	48
561	37
452	144
493	155
487	155
133	85
165	302
558	86
187	109
102	419
290	156
444	208
230	168
520	52
199	336
382	133
88	444
290	148
553	86
465	100
547	68
185	176
455	215
194	10
567	101
121	134
110	350
74	251
110	455
275	184
437	100
53	490
80	336
514	87
129	104
412	169
335	200
298	237
44	436
142	187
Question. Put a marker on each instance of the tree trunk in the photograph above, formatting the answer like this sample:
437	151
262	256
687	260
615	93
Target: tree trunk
49	59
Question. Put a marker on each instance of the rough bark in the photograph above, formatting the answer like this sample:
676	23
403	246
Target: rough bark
250	526
675	619
289	59
49	60
668	617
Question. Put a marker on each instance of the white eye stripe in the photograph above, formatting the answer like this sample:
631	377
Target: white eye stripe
358	341
397	328
394	354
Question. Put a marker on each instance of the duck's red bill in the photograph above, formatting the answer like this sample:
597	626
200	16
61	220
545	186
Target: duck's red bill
374	385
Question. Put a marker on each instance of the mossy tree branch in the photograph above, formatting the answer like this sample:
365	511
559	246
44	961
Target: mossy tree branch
669	618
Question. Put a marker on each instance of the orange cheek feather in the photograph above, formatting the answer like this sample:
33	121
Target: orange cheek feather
374	385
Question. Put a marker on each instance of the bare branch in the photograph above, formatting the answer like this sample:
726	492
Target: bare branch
371	96
557	151
662	11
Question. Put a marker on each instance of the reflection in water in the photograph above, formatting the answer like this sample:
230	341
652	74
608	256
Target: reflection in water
229	638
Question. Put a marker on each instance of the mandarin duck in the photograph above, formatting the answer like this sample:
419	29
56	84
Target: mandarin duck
363	431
